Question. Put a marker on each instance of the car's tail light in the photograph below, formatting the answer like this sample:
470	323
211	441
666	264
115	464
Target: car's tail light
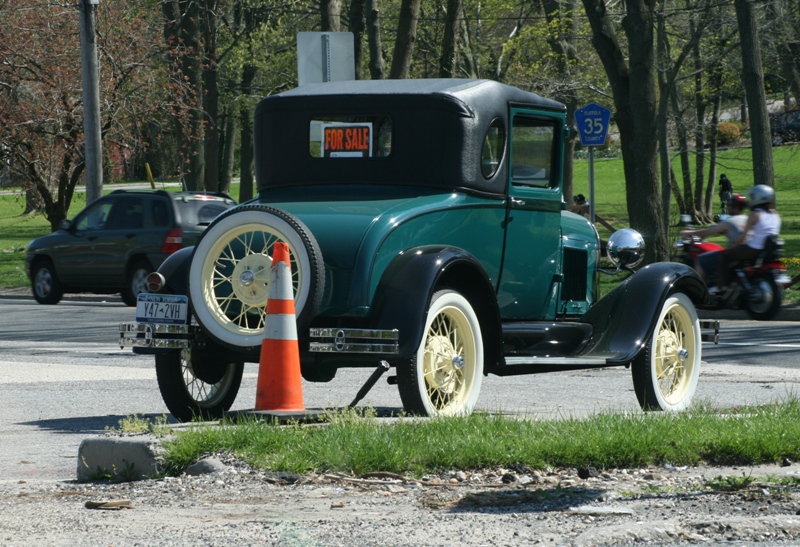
155	282
173	241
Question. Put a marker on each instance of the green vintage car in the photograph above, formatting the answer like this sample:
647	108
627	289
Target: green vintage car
427	231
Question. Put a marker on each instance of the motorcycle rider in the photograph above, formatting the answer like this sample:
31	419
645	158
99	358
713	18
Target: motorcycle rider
732	226
762	222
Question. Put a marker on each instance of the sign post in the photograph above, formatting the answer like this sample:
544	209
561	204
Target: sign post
592	121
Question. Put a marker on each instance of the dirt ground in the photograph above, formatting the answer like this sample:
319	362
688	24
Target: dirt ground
229	503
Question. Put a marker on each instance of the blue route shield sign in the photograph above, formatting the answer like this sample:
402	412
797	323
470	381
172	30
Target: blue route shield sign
592	121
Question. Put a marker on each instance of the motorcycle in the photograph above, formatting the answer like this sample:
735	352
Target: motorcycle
756	285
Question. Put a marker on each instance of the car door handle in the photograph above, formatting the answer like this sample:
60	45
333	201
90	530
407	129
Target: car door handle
517	201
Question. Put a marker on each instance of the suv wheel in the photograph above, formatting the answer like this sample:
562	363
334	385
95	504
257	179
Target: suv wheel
444	378
45	284
136	282
230	269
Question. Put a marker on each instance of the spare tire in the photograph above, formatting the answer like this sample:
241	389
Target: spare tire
230	269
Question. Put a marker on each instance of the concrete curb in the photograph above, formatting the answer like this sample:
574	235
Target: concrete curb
120	458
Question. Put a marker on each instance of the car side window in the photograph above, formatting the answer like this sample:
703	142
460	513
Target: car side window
492	150
159	212
125	214
531	151
93	217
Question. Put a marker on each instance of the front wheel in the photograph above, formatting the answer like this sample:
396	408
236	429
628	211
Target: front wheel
444	377
764	299
188	396
666	371
46	286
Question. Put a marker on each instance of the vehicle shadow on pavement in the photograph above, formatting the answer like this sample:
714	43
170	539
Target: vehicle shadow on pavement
90	424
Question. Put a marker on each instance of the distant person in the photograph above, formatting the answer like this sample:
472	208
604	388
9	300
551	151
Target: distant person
725	192
762	222
732	226
581	205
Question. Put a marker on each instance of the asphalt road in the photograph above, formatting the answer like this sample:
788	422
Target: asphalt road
63	377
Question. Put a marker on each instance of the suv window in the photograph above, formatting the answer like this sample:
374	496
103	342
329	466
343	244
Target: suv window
126	214
531	151
94	217
200	212
159	209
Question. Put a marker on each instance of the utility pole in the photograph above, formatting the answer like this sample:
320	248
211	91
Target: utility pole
91	101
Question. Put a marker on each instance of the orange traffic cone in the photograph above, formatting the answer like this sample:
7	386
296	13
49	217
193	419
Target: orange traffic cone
279	381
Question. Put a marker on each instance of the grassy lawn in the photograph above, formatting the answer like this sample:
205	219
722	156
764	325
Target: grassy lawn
17	230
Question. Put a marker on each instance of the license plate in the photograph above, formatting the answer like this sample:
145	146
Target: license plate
162	308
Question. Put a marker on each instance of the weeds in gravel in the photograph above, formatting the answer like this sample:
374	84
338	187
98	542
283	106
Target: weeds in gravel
142	424
357	442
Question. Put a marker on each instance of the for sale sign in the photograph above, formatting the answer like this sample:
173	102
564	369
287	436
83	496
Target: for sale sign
352	140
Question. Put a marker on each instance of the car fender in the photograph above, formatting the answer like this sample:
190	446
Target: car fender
405	290
623	320
175	270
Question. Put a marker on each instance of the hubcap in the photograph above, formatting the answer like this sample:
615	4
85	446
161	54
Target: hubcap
673	354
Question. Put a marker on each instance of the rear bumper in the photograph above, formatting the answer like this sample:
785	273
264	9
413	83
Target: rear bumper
156	336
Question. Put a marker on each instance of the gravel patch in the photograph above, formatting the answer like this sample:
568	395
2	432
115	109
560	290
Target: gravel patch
233	504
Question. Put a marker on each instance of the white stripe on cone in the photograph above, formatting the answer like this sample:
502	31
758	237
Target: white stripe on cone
282	272
280	326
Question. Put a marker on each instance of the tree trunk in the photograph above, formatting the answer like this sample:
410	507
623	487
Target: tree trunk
562	39
634	90
753	77
246	139
330	12
228	152
182	33
377	66
447	61
211	99
406	37
712	152
357	28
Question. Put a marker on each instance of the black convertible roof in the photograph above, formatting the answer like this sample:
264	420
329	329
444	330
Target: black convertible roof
438	127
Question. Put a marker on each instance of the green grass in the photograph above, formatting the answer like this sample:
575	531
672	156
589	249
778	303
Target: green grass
358	443
17	230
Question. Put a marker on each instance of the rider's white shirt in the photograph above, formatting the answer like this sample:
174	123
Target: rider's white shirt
768	224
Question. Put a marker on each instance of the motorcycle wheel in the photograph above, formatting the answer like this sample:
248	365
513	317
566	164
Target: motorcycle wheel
765	298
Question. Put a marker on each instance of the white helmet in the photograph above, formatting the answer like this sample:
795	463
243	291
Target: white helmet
759	195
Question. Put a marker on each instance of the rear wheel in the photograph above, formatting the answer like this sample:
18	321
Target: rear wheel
765	298
45	284
444	378
666	371
187	395
230	269
136	282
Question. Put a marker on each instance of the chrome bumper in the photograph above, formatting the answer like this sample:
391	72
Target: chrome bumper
156	335
355	341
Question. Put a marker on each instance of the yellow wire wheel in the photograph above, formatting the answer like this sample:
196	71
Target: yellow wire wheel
444	378
666	371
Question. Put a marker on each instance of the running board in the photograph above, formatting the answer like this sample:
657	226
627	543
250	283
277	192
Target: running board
530	364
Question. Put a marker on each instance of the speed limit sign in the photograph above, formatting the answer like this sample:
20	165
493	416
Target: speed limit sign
592	121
